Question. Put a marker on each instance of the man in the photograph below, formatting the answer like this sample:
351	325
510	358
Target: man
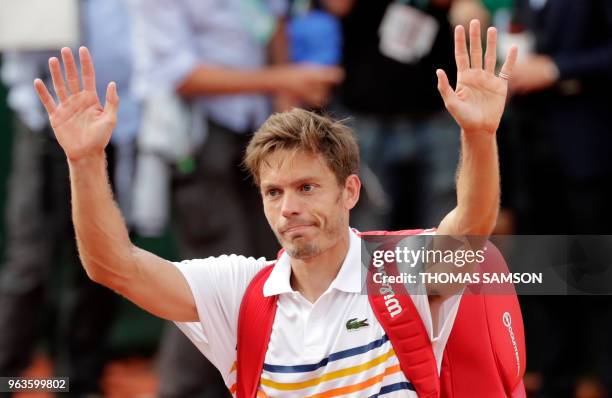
305	166
400	121
230	71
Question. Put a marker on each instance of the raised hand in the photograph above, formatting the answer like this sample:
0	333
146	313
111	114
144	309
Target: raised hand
82	127
478	101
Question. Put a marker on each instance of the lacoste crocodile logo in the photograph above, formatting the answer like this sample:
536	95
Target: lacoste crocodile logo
353	324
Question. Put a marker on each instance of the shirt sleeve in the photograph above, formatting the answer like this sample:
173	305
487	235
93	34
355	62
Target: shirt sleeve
163	45
279	8
218	285
590	61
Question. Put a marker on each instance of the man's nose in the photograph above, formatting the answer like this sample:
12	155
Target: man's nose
291	205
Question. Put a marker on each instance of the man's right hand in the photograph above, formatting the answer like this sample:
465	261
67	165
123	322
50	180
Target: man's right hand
310	83
82	127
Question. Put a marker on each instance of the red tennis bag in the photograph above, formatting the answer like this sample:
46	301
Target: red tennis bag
484	356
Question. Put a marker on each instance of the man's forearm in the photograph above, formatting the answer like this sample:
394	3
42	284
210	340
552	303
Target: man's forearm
278	48
478	187
102	237
220	80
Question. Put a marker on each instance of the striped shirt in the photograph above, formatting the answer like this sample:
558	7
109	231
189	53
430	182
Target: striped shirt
333	347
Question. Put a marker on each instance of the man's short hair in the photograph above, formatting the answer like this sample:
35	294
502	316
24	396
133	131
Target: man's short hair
299	129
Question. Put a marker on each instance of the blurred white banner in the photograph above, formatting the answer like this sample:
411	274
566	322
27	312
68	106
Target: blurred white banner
38	24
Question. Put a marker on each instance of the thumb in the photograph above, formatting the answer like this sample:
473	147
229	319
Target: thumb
112	99
446	91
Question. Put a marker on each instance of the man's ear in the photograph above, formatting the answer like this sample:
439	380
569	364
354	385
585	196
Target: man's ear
352	187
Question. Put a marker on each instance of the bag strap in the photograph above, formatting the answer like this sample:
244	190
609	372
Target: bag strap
407	335
400	319
255	321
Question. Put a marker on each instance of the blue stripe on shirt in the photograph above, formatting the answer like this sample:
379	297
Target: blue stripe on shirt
393	387
333	357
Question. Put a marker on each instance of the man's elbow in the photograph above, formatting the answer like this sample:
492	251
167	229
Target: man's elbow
485	229
339	8
188	86
469	223
185	89
484	226
96	276
105	277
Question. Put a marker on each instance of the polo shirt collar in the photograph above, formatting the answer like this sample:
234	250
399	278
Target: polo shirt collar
279	280
348	278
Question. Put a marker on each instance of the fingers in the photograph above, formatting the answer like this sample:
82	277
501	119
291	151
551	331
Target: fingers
508	65
58	80
331	75
491	54
112	99
72	74
461	54
445	89
475	44
45	97
87	70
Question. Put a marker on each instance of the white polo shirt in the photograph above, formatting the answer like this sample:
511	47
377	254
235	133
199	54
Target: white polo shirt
312	352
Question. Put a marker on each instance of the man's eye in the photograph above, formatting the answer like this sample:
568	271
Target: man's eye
272	193
307	187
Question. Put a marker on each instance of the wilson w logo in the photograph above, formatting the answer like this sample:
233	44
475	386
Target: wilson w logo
393	305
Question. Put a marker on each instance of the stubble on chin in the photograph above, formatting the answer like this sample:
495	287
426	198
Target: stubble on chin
304	251
309	249
298	250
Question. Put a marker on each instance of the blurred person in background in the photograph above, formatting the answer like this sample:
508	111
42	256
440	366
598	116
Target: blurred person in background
315	35
501	12
228	60
560	112
108	32
390	50
39	228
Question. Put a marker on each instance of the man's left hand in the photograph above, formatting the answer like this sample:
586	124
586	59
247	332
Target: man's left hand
478	101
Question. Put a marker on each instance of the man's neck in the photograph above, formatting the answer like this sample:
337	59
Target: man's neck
312	277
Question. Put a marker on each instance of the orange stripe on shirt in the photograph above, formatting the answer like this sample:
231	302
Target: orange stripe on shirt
359	386
233	388
260	394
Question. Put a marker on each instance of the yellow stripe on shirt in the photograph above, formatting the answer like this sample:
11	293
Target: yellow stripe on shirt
329	376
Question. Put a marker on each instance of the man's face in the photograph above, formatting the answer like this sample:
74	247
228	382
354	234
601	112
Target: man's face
305	207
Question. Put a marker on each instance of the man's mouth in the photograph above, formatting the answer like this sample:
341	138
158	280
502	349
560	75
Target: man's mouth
296	228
